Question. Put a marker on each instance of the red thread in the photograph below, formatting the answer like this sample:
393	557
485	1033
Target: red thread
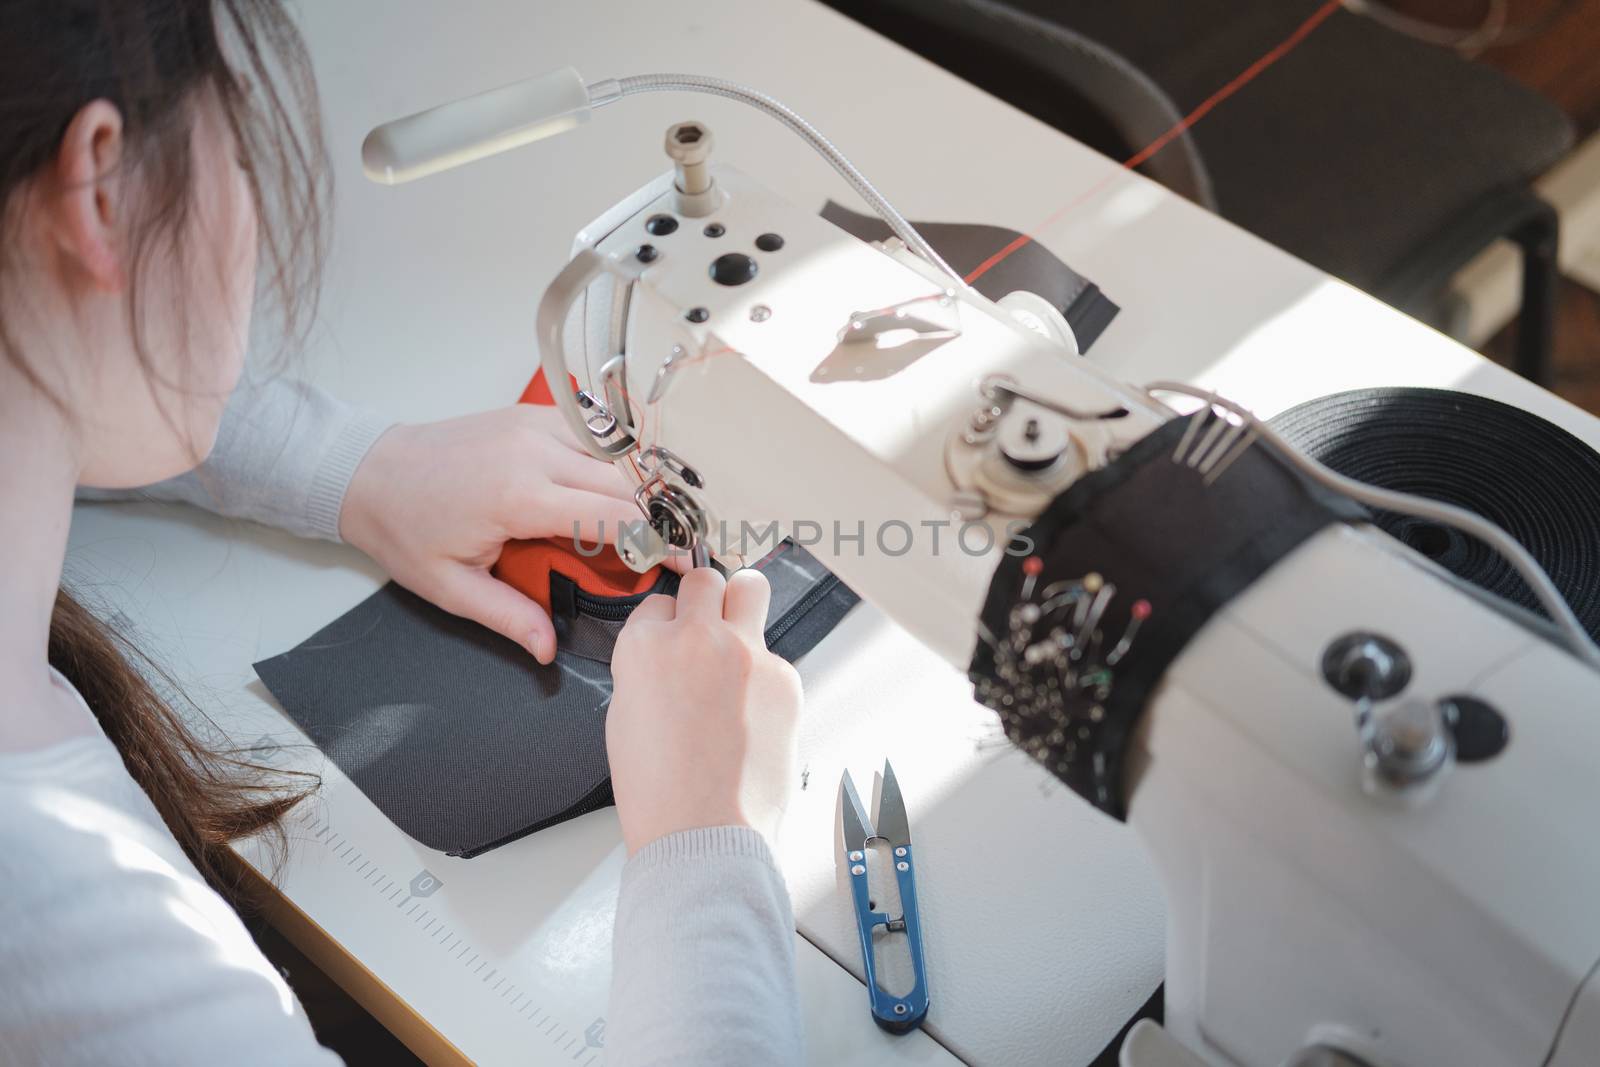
1248	75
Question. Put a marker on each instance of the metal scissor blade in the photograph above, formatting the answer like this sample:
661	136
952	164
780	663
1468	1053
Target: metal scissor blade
892	826
857	826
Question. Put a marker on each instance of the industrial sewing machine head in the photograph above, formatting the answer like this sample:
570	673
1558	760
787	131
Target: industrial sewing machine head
1305	720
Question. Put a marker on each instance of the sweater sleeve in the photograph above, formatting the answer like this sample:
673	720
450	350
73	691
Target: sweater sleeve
112	948
703	967
284	456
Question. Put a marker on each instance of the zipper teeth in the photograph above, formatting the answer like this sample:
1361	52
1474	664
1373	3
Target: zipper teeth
615	609
611	611
806	603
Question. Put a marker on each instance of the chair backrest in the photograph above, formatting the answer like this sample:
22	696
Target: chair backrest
1055	73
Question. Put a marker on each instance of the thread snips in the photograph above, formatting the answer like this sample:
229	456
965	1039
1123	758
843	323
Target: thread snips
896	1014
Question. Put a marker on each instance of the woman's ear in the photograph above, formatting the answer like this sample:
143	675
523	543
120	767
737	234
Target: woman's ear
87	213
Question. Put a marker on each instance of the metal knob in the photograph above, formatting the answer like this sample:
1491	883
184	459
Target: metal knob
1406	744
1366	666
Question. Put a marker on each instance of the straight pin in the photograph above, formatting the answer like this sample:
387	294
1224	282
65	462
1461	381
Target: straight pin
1218	425
1137	614
1188	434
1092	615
1031	569
1221	467
1224	443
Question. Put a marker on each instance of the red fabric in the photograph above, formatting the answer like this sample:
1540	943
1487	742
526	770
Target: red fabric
526	565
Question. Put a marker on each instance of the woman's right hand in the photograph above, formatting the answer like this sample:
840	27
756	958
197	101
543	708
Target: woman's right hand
701	730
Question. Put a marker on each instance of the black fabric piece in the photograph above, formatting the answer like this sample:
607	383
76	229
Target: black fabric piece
1033	267
1529	477
1152	531
459	736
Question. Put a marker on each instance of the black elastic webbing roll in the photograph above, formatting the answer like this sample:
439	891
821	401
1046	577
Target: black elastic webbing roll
1526	475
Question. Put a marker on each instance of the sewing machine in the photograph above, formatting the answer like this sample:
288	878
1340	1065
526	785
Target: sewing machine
1341	889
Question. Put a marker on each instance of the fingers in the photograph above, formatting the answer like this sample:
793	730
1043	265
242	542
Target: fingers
476	594
547	419
700	595
582	471
593	518
655	608
678	561
746	601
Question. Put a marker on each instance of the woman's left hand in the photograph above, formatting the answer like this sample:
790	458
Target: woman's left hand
435	503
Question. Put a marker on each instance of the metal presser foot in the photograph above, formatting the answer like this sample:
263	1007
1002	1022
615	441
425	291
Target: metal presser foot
894	1014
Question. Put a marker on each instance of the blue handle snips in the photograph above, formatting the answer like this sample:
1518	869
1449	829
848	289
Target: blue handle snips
894	1014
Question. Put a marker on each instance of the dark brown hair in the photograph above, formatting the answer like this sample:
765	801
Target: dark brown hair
154	60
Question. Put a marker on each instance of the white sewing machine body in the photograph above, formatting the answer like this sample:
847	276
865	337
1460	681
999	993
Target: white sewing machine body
1303	910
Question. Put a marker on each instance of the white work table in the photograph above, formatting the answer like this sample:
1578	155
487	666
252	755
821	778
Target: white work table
1043	922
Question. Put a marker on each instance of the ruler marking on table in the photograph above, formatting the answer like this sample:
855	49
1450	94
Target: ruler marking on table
448	941
436	928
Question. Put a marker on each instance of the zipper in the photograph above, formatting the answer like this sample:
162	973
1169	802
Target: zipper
805	604
617	608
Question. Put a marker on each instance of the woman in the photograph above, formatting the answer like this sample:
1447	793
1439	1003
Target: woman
152	153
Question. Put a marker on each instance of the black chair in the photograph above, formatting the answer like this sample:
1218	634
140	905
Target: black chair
1384	161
